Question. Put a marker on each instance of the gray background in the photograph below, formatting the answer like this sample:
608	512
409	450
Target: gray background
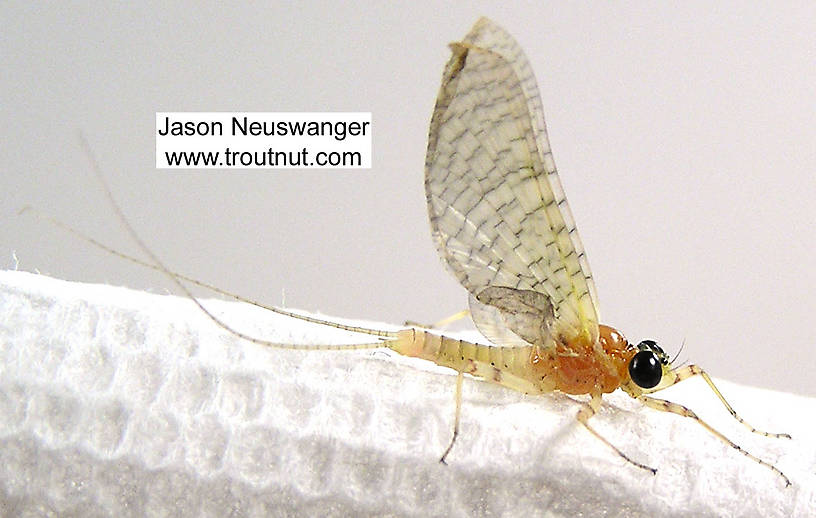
684	134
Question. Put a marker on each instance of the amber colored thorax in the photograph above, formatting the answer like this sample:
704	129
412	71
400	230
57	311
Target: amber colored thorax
578	367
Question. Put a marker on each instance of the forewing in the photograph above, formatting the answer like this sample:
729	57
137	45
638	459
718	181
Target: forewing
498	213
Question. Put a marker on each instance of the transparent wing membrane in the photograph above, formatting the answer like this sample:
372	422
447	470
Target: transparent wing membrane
489	322
497	209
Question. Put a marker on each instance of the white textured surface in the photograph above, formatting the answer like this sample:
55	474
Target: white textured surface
116	402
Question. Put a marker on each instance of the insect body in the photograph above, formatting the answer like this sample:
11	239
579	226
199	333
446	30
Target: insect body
503	227
531	369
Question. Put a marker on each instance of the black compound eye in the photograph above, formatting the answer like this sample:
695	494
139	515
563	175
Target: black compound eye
645	369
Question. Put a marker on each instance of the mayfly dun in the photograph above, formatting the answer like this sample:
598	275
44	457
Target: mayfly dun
502	225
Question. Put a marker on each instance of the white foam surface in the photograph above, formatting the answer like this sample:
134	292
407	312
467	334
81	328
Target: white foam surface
122	403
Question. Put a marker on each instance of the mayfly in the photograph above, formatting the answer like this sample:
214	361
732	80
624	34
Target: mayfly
502	225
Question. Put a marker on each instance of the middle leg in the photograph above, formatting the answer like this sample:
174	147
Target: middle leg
590	409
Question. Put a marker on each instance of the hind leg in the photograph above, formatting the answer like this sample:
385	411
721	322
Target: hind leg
459	378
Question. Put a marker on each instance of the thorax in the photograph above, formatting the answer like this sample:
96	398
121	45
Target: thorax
579	366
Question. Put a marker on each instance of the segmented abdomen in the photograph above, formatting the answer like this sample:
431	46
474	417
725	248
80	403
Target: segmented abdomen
507	366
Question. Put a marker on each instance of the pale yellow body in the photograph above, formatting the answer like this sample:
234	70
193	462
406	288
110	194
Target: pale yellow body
600	368
509	367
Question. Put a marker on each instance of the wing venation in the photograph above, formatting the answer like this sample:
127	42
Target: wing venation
498	213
